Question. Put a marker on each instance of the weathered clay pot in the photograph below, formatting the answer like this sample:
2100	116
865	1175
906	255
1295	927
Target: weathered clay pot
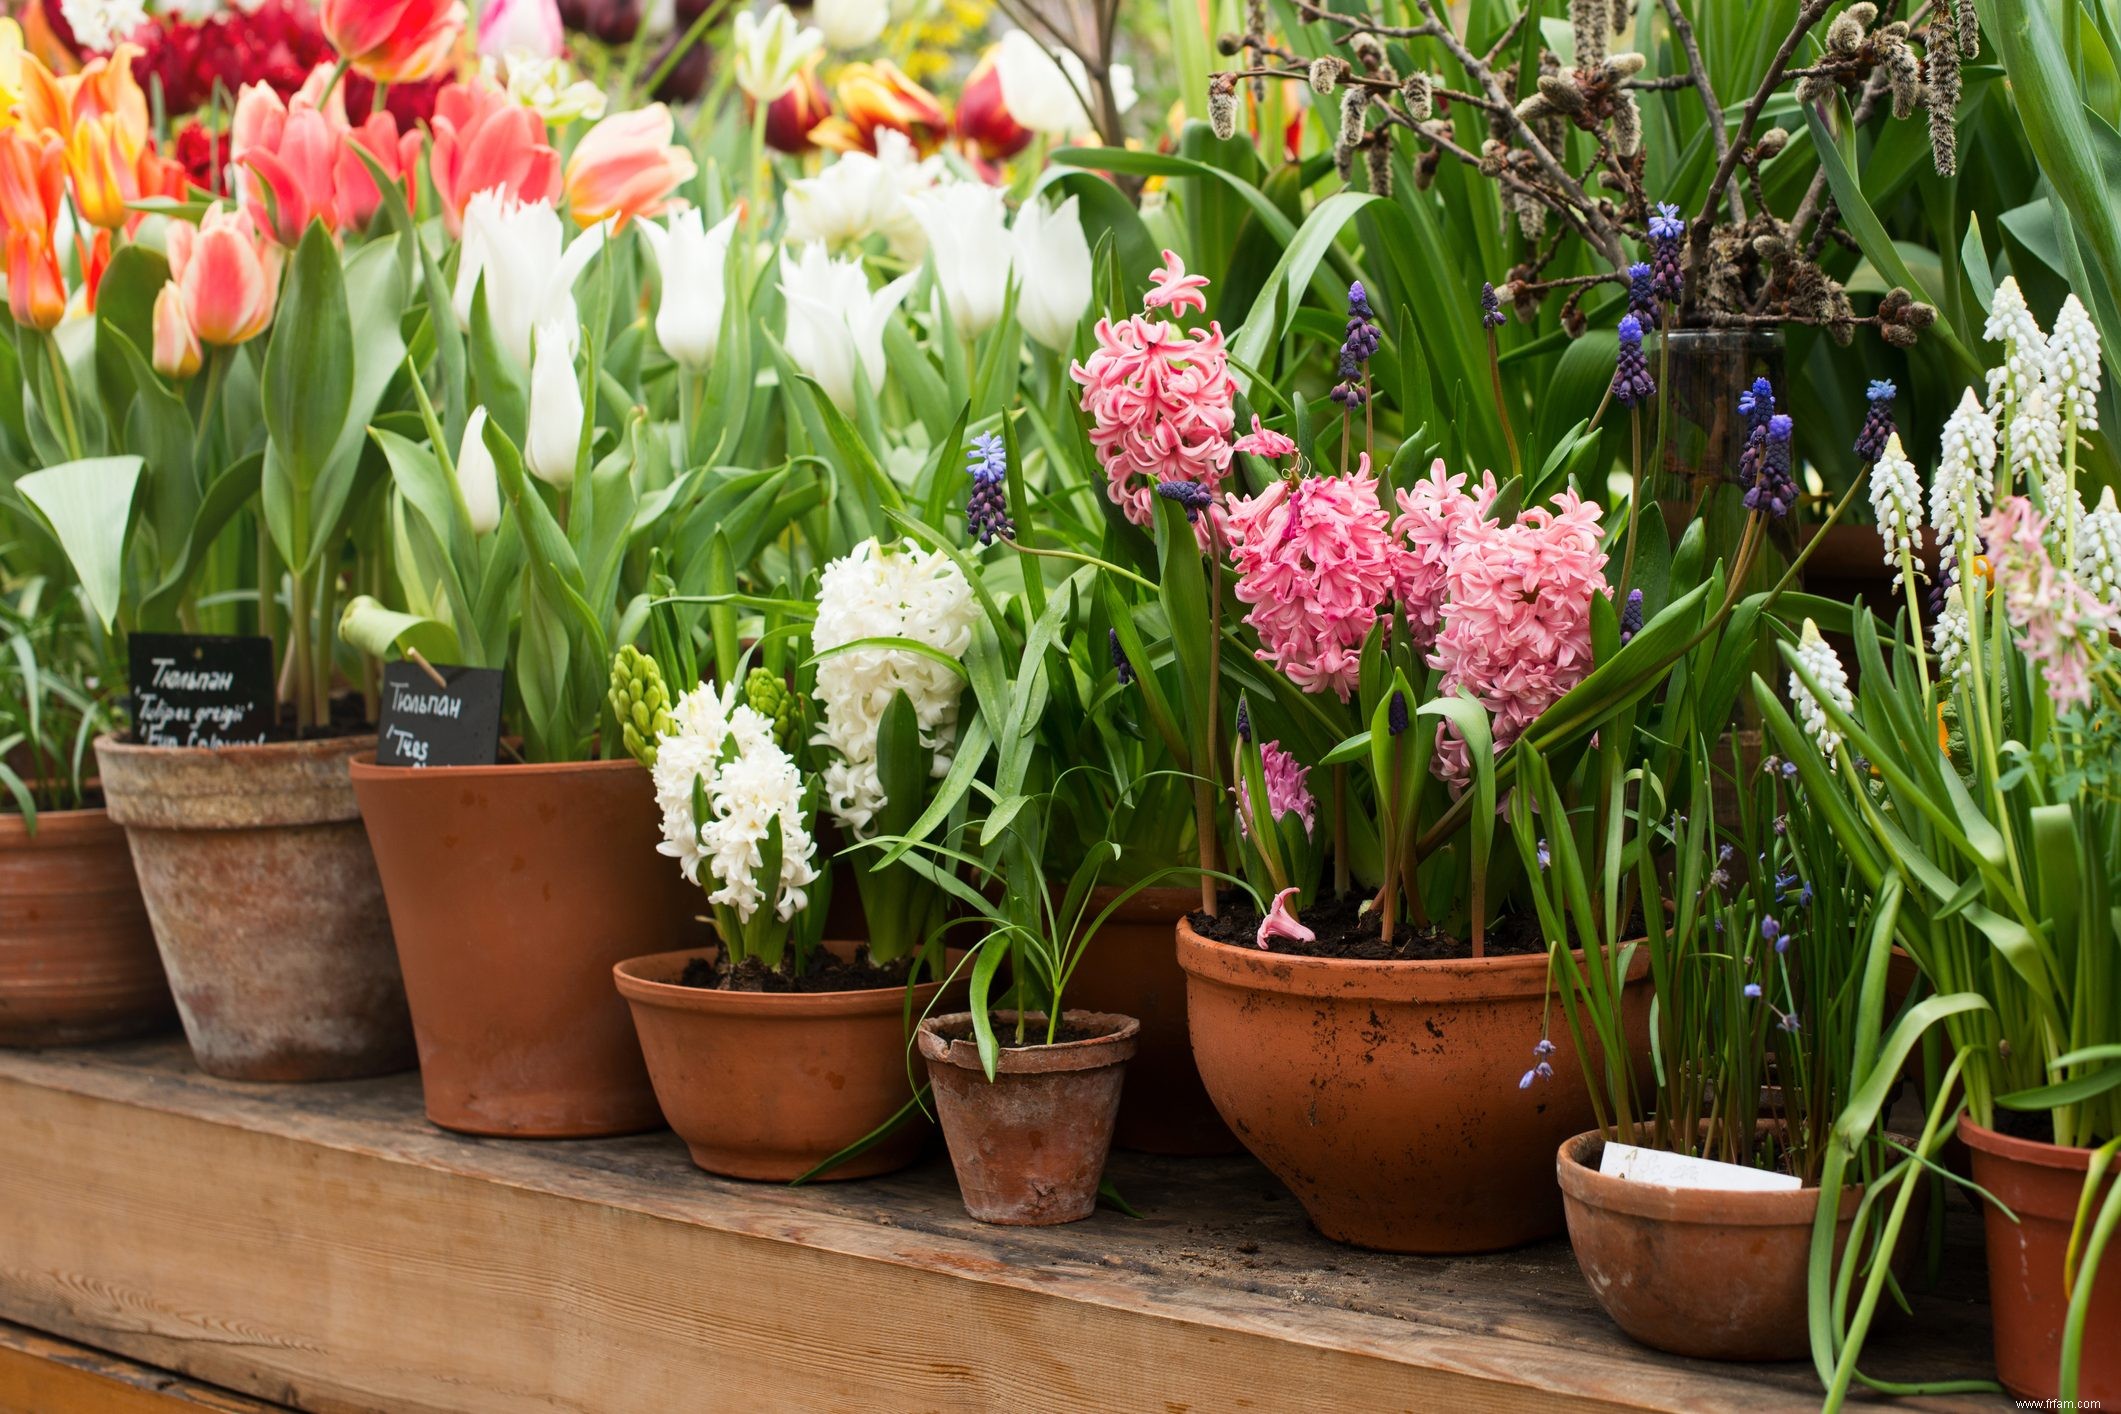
77	957
768	1085
1131	967
266	905
1711	1273
1030	1145
1385	1094
2042	1184
513	890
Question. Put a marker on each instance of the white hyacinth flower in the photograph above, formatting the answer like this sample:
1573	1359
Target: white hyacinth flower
724	752
1948	639
871	592
1896	500
2099	551
2073	365
2034	432
1966	472
2024	347
98	25
1820	660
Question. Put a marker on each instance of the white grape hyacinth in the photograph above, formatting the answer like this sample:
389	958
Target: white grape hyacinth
1819	658
2035	435
748	782
2099	551
2024	364
2073	365
1896	500
1948	638
871	592
1965	484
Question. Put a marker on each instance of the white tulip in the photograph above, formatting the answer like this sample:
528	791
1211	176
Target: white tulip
836	322
970	248
688	321
1053	268
857	196
555	408
850	24
519	247
477	481
1045	92
770	53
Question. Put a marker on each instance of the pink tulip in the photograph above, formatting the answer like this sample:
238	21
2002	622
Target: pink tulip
228	273
397	155
394	41
485	141
297	168
1280	921
177	352
302	153
521	27
627	169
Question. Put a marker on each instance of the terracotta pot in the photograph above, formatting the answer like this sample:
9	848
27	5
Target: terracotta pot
1710	1273
266	905
1131	967
2042	1184
77	957
1029	1146
768	1085
513	890
1384	1094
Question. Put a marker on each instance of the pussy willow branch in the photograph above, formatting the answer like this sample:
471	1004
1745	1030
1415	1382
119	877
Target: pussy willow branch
1698	75
1704	221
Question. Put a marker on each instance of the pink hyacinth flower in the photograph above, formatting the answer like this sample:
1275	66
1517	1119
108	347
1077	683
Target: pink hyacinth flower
1288	789
1264	442
1316	559
1434	516
2056	617
1280	921
1159	400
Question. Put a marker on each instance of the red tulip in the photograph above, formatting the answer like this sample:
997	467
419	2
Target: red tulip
394	41
483	141
983	117
791	117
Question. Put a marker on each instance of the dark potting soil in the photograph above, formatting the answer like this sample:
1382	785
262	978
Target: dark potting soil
826	974
1034	1033
2033	1126
1344	931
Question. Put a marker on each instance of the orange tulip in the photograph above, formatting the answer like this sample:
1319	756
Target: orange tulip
791	117
106	88
983	116
36	288
627	168
95	260
32	186
394	41
228	274
486	141
104	173
879	95
177	353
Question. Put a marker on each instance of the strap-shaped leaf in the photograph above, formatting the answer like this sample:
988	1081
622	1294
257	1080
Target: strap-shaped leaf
89	506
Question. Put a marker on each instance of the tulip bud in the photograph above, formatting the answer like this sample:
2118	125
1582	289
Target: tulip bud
176	345
555	408
477	481
1053	267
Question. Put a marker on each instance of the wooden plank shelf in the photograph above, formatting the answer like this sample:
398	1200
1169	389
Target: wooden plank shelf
325	1247
40	1373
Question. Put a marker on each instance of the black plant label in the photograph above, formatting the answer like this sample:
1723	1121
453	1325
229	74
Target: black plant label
435	715
200	689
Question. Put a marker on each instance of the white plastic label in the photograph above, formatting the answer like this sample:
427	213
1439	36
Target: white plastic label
1639	1165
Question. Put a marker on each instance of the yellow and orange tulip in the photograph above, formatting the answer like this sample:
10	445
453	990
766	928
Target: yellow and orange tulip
879	95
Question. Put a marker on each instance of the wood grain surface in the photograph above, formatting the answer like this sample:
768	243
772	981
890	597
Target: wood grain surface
323	1246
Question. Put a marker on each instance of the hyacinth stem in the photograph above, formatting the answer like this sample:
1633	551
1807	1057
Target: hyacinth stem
1627	562
1341	882
1502	410
1207	789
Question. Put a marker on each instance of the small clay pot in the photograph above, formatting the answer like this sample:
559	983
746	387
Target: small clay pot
266	905
1130	966
1030	1145
1712	1273
513	891
768	1085
1385	1094
2042	1184
77	956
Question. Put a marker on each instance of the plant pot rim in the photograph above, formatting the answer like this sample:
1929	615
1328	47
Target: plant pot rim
300	748
1708	1207
88	820
1114	1047
1391	980
637	981
2037	1152
365	769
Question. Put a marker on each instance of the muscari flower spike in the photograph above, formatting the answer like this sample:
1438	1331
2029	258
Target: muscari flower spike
987	510
1878	428
1542	1069
1774	489
1244	721
1190	495
1632	384
1121	668
1666	232
1631	616
1356	350
1490	306
1642	293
